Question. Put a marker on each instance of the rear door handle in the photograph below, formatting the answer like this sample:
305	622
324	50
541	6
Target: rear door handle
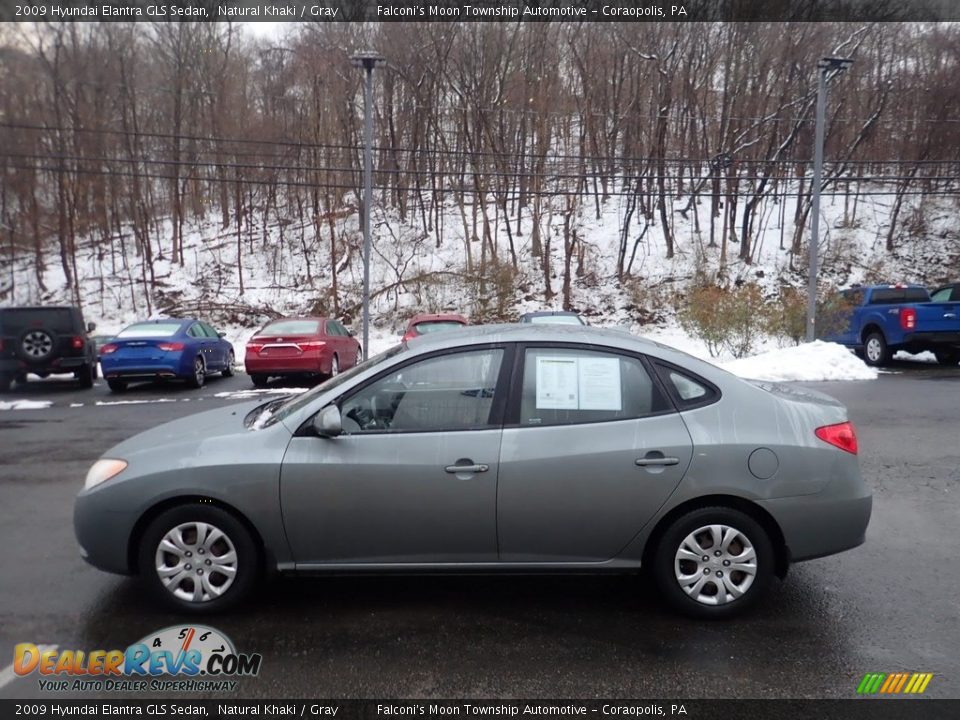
647	462
456	469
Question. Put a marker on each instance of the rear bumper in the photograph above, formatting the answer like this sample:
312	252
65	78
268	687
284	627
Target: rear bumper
63	364
313	362
814	526
113	371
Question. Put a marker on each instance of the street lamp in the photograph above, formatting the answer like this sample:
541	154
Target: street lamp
832	66
368	60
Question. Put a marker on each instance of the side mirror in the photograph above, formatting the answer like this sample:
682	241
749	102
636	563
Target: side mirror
91	326
327	423
221	334
350	332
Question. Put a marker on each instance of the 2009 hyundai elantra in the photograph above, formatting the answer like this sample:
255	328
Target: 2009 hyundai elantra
499	448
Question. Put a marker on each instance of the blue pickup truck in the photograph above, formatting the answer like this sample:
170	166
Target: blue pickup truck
878	320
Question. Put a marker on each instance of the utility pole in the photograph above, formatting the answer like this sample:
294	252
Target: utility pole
834	66
368	60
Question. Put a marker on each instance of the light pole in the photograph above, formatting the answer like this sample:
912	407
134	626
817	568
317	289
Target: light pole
368	60
833	66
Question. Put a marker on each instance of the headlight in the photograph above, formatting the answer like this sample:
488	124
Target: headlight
102	471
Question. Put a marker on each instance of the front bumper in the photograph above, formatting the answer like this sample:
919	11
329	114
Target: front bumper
103	535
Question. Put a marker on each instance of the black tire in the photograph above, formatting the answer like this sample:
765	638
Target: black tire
947	357
199	375
334	366
248	565
86	375
259	380
117	386
666	565
228	370
5	382
875	350
36	346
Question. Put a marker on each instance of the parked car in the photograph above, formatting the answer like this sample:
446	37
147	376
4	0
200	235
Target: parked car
611	452
556	317
424	323
311	346
878	320
45	341
946	293
166	349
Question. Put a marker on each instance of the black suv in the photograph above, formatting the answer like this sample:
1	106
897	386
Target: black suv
45	341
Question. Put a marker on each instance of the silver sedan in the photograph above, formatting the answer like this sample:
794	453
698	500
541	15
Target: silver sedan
499	448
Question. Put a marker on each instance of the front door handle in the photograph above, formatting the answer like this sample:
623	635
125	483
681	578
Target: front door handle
457	469
652	461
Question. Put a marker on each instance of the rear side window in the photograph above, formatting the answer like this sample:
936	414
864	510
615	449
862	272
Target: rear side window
688	390
149	330
572	386
56	319
291	327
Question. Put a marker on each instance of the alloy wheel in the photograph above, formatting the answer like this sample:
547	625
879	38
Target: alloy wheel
196	562
874	351
37	344
715	564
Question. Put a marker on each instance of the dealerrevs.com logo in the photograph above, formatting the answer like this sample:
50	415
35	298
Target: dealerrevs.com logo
899	683
191	658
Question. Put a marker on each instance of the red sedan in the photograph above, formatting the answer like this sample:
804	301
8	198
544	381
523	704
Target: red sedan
424	323
300	346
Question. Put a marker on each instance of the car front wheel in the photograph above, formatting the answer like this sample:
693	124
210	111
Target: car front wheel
713	562
199	558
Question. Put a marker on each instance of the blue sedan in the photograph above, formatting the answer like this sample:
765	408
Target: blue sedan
165	349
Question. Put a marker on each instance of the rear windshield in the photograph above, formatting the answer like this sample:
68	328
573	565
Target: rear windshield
291	327
892	296
55	319
430	326
150	330
555	319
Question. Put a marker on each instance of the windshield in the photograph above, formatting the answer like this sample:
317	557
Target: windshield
292	404
150	330
556	319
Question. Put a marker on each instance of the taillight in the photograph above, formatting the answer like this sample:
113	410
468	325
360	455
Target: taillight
311	344
908	318
77	342
107	349
170	346
843	436
410	334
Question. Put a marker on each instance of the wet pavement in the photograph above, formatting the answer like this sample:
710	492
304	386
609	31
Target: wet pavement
889	606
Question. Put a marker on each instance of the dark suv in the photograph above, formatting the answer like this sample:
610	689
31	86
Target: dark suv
45	341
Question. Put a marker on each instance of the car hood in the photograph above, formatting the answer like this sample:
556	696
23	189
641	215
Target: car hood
191	430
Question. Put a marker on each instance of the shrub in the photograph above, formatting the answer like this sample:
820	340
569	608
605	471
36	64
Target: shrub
732	320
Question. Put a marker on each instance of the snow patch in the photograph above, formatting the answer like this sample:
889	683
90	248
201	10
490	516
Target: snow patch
134	402
812	362
251	394
24	404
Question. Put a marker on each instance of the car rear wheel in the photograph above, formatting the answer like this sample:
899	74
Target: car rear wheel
259	380
713	562
228	370
5	381
199	375
86	375
334	366
875	351
117	386
199	558
947	357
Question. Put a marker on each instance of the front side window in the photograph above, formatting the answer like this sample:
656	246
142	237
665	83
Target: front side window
446	392
567	386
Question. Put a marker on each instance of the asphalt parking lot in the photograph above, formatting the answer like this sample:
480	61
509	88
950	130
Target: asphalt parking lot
890	605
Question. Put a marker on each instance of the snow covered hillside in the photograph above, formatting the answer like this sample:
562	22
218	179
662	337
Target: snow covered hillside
285	269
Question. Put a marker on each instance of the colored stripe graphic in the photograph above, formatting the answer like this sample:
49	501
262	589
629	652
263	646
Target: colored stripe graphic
894	683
